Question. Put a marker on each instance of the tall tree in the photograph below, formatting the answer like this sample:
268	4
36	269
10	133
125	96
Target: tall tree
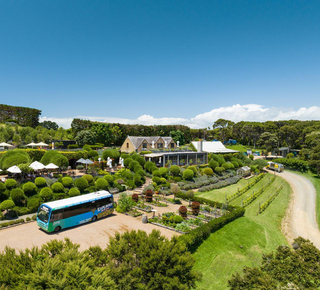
224	127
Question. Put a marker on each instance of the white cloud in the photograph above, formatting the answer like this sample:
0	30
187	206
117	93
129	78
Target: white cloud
236	113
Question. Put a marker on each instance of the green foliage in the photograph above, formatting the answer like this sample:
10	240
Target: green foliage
85	137
86	147
34	203
13	157
57	187
213	164
264	206
73	192
175	170
88	177
93	154
188	174
54	157
7	205
155	253
208	171
30	188
81	183
46	194
112	153
125	203
17	195
149	166
40	182
297	268
67	181
102	184
10	183
219	169
109	178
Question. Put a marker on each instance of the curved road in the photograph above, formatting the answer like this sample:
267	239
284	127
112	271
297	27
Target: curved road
301	220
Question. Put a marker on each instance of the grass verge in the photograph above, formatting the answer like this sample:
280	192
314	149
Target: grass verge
242	242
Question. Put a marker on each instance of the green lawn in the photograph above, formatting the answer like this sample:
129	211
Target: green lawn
242	148
242	242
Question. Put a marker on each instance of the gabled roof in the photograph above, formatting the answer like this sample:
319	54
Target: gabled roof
138	140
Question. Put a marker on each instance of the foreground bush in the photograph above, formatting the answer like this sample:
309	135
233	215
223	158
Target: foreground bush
73	192
30	188
40	182
46	194
81	183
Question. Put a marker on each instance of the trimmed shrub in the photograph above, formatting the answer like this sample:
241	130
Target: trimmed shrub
188	174
92	154
175	170
109	178
127	162
7	205
40	182
112	153
73	192
102	184
2	187
67	181
81	183
150	166
156	173
46	194
183	211
213	164
88	177
195	206
176	219
163	171
139	158
135	197
14	157
219	169
34	203
10	183
59	195
17	195
57	187
208	171
30	188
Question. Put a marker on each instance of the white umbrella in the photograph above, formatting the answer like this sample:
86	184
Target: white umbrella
81	160
36	165
3	144
32	144
51	166
0	170
41	144
14	169
88	161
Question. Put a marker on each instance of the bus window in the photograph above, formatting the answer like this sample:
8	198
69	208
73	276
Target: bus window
43	214
56	215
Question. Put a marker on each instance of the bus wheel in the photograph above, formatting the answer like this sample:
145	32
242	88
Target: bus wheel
57	229
94	218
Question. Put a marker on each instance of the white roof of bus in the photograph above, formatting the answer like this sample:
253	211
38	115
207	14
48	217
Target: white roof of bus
78	199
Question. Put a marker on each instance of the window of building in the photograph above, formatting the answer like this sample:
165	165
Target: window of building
159	145
172	145
127	145
144	145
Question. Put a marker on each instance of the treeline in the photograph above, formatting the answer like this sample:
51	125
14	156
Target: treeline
20	115
116	133
270	134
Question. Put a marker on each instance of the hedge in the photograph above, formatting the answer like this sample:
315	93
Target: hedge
194	238
4	225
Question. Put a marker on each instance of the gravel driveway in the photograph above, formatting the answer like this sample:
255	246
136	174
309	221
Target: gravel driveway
87	235
301	215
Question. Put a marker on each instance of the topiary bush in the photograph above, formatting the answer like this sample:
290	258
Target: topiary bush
188	174
46	194
89	178
208	171
109	178
81	183
7	205
135	197
195	206
30	188
112	153
219	169
3	192
59	195
17	195
14	157
10	184
40	182
183	211
74	192
67	181
213	164
102	184
57	187
175	170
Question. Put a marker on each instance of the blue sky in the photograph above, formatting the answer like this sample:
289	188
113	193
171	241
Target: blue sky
188	62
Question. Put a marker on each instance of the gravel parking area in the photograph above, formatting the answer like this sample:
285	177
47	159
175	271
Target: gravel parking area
87	235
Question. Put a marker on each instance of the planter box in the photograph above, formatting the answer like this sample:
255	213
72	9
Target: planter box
166	227
143	209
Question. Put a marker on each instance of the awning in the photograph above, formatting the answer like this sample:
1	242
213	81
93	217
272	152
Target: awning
151	155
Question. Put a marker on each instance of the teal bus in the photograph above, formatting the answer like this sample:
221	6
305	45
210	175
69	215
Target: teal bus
60	214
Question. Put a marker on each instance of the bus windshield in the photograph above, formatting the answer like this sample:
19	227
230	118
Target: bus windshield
43	214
